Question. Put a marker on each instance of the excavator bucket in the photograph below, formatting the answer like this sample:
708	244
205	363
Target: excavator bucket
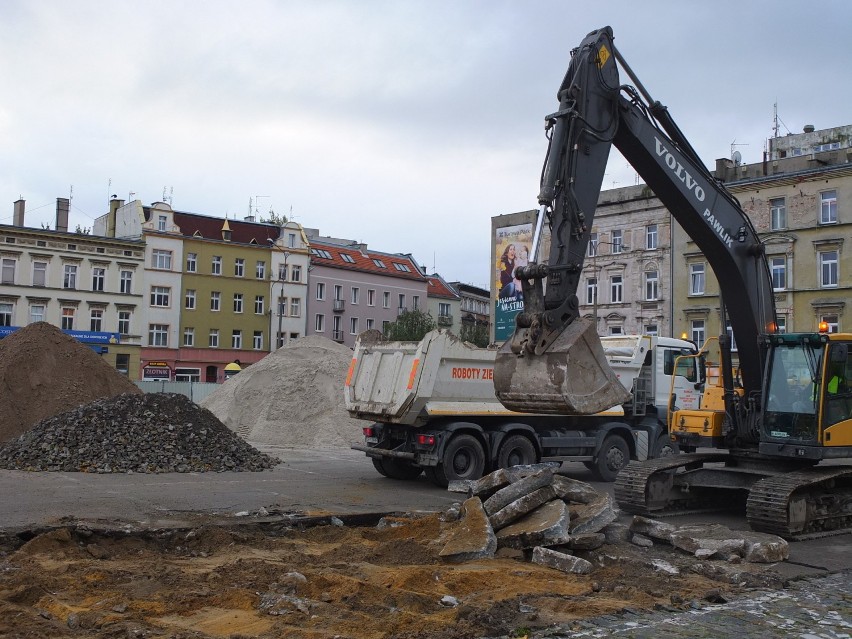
572	377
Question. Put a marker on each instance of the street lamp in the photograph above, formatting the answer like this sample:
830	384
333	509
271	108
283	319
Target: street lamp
282	277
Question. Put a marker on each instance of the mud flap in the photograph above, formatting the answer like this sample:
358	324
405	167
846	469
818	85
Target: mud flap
572	377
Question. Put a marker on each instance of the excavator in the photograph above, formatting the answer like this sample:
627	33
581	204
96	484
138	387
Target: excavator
774	417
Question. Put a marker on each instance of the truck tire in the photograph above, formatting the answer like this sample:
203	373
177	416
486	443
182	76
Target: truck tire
464	458
516	450
613	455
397	469
665	447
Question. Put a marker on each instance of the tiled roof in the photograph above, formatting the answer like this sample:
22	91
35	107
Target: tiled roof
210	228
438	288
357	259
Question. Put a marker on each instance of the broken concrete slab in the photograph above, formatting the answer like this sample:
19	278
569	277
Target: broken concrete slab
472	536
585	541
547	525
461	486
706	541
561	561
518	489
574	490
763	548
521	507
594	516
517	473
616	533
490	484
641	540
652	528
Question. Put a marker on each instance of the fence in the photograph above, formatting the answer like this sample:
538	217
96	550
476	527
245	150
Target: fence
196	391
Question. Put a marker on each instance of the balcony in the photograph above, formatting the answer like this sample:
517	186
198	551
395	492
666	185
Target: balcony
445	320
338	305
337	336
401	310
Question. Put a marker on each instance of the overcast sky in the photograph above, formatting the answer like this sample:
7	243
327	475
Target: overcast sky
405	125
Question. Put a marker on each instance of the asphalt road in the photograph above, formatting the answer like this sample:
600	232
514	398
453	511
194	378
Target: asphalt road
339	481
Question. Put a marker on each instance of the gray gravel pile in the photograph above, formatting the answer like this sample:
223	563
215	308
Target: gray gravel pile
152	433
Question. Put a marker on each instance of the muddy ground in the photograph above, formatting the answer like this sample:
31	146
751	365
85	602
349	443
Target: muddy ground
271	578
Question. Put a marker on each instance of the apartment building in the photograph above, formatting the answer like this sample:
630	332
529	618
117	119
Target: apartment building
475	308
353	289
444	304
90	286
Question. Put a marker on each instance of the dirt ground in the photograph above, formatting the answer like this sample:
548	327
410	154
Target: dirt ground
259	580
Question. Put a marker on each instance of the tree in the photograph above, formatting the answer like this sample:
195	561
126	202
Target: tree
475	334
274	218
410	326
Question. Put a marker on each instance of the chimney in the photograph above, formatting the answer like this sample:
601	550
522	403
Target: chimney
62	206
114	205
18	215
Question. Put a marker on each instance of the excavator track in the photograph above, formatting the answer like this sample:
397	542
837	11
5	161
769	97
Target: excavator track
641	488
804	504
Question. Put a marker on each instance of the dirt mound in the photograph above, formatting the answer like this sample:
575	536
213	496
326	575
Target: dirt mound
293	397
153	433
43	372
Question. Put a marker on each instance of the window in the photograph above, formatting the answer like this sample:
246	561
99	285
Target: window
213	338
291	240
282	306
216	265
833	322
379	263
371	324
161	223
5	314
828	269
36	313
295	307
68	313
591	290
187	374
98	278
158	335
401	306
236	338
189	299
652	285
616	330
828	207
778	268
239	267
259	304
338	292
353	325
651	236
355	294
69	279
401	267
124	322
320	291
215	300
777	213
385	299
238	302
347	258
296	273
698	332
122	363
282	272
257	341
443	309
191	262
126	283
415	302
319	323
321	253
39	273
371	297
161	259
260	270
617	242
651	329
696	279
385	326
96	320
592	249
730	332
616	289
160	295
781	324
7	271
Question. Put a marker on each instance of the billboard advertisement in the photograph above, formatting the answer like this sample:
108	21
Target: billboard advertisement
512	248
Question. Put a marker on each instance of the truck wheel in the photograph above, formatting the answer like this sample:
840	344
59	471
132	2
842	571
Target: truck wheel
612	457
516	450
464	458
665	447
397	469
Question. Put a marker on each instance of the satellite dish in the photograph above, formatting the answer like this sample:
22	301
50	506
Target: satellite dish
737	158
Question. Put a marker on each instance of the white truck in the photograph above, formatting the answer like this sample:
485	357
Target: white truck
432	408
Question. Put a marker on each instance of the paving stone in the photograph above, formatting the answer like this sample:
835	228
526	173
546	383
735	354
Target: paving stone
547	525
561	561
594	516
573	490
521	507
472	536
518	489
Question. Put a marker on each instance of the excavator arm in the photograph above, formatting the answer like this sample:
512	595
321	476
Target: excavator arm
554	362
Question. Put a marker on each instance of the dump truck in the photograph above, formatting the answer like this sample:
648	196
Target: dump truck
432	408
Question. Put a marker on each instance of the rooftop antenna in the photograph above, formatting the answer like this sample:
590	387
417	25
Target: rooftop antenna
736	156
255	210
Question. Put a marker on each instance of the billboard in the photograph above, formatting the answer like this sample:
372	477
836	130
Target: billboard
512	247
